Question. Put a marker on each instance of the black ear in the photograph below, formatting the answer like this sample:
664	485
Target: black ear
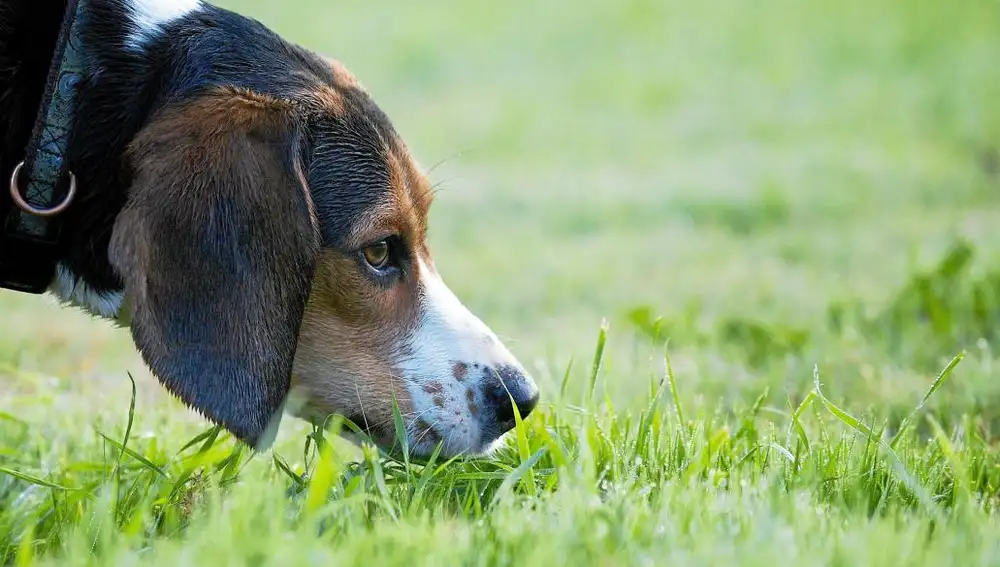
216	247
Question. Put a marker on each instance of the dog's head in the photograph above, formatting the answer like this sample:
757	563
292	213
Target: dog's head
274	245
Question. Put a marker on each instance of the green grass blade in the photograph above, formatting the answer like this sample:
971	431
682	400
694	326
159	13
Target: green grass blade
595	367
128	426
26	549
646	422
565	379
673	390
210	432
283	467
144	461
8	417
938	382
197	459
35	480
797	422
515	476
523	449
401	434
321	481
783	452
959	469
425	477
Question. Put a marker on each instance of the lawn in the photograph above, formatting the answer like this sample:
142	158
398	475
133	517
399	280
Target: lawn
744	248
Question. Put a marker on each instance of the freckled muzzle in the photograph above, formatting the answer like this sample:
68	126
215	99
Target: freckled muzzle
473	410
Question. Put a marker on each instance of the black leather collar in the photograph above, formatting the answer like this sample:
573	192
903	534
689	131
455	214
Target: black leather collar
42	186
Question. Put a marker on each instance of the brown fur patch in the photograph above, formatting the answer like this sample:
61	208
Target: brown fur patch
459	371
325	97
350	327
433	388
341	76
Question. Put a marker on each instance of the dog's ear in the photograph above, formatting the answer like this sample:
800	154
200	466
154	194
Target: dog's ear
216	247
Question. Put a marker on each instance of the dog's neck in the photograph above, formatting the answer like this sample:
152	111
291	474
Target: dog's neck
128	59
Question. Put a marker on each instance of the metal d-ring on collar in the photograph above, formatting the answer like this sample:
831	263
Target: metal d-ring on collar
31	232
24	205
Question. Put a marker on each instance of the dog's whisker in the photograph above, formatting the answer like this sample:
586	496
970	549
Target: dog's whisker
411	417
361	403
427	430
446	160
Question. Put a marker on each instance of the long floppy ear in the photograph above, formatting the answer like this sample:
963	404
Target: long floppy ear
216	247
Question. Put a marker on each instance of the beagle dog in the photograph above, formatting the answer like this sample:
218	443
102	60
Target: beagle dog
247	210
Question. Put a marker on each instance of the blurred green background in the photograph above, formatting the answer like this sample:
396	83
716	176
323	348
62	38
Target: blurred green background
767	177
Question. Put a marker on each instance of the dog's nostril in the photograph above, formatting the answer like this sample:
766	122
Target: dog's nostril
512	384
526	406
505	410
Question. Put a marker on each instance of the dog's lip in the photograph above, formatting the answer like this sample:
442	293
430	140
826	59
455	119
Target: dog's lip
384	436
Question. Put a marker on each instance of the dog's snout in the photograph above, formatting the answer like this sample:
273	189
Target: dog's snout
510	383
467	386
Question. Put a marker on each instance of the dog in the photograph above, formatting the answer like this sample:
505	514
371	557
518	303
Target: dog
245	208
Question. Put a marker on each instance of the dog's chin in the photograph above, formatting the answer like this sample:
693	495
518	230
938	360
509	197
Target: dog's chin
418	451
490	449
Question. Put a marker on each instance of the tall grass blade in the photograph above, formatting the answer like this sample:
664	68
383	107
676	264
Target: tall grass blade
128	428
565	379
938	382
35	480
283	467
595	367
673	390
123	450
401	434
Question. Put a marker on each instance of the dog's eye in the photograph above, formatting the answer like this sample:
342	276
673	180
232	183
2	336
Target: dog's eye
378	255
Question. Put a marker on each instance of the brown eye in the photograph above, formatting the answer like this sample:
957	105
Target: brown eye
377	255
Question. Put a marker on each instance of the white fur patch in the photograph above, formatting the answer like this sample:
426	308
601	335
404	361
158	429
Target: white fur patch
149	17
449	334
69	288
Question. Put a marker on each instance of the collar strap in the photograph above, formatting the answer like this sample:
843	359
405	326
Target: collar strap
42	186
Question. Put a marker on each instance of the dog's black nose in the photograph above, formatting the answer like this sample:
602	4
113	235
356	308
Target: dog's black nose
509	383
505	411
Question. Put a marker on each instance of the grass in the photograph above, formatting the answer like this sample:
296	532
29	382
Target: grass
748	252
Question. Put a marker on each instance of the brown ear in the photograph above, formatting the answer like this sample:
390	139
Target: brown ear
216	247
